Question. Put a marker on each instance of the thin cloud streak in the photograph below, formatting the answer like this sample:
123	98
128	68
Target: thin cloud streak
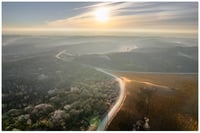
180	16
89	14
167	16
93	6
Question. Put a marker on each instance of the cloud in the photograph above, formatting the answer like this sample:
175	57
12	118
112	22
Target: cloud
93	6
86	19
180	16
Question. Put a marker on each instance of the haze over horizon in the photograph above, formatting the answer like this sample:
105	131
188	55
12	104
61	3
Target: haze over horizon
99	66
89	18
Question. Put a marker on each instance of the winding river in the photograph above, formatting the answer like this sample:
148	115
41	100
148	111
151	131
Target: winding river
116	107
119	102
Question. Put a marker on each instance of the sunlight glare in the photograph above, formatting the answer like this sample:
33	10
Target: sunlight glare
126	79
102	14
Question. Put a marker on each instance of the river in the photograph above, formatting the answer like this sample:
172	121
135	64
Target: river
117	106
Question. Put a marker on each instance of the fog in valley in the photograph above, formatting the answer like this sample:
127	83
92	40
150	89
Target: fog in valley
52	82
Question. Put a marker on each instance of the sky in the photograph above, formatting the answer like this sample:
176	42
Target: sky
161	17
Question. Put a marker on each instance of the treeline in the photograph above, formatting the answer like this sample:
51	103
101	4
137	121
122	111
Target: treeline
44	93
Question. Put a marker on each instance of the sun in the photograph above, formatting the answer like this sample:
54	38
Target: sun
102	14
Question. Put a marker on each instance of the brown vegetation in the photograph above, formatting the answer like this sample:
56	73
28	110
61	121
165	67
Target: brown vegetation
174	107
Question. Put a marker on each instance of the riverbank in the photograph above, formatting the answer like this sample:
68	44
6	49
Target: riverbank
118	104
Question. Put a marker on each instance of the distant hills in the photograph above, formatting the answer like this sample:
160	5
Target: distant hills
134	53
173	59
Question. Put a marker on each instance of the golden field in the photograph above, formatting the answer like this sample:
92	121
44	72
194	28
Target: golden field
170	101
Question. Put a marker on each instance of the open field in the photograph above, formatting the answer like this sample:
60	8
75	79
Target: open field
170	101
